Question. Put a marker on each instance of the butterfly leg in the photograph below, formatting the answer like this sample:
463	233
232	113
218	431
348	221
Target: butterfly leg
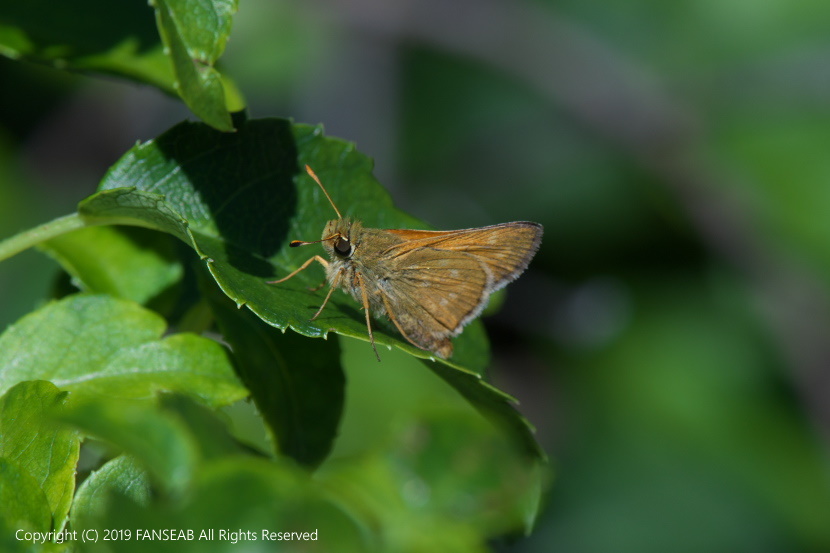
391	313
325	301
365	299
308	262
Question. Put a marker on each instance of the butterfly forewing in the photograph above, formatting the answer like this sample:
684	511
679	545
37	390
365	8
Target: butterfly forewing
442	279
505	258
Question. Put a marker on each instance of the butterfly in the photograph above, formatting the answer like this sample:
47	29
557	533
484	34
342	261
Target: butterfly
429	283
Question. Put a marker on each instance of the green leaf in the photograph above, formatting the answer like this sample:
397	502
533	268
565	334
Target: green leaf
298	390
181	362
237	500
209	432
390	498
489	486
127	262
69	339
23	505
206	188
37	446
234	200
121	475
159	439
450	472
118	38
276	497
170	437
194	33
99	344
238	199
121	39
493	404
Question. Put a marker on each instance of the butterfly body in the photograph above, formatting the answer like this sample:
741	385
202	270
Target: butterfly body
429	283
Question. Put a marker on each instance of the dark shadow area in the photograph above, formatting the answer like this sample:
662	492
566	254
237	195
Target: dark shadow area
245	261
84	27
239	184
37	92
275	388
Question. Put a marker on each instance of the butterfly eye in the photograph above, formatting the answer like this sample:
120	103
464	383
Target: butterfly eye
343	247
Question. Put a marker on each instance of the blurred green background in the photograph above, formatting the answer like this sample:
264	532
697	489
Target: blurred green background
670	340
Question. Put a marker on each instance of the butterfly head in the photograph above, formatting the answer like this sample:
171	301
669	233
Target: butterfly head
339	238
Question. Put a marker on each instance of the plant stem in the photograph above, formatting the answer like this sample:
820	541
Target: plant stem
34	236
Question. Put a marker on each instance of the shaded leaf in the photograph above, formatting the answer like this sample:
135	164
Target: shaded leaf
457	467
128	262
209	432
157	438
118	38
297	389
493	404
447	470
122	39
390	500
239	499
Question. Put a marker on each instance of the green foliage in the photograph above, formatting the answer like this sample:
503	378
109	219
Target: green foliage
232	198
680	311
25	505
38	457
106	346
303	425
177	56
102	36
122	475
236	499
668	340
163	318
194	33
125	262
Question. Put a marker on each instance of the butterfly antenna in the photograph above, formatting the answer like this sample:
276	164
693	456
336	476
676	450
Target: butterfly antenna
297	243
313	175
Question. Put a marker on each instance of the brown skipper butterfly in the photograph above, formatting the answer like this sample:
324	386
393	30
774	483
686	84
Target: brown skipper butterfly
429	283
